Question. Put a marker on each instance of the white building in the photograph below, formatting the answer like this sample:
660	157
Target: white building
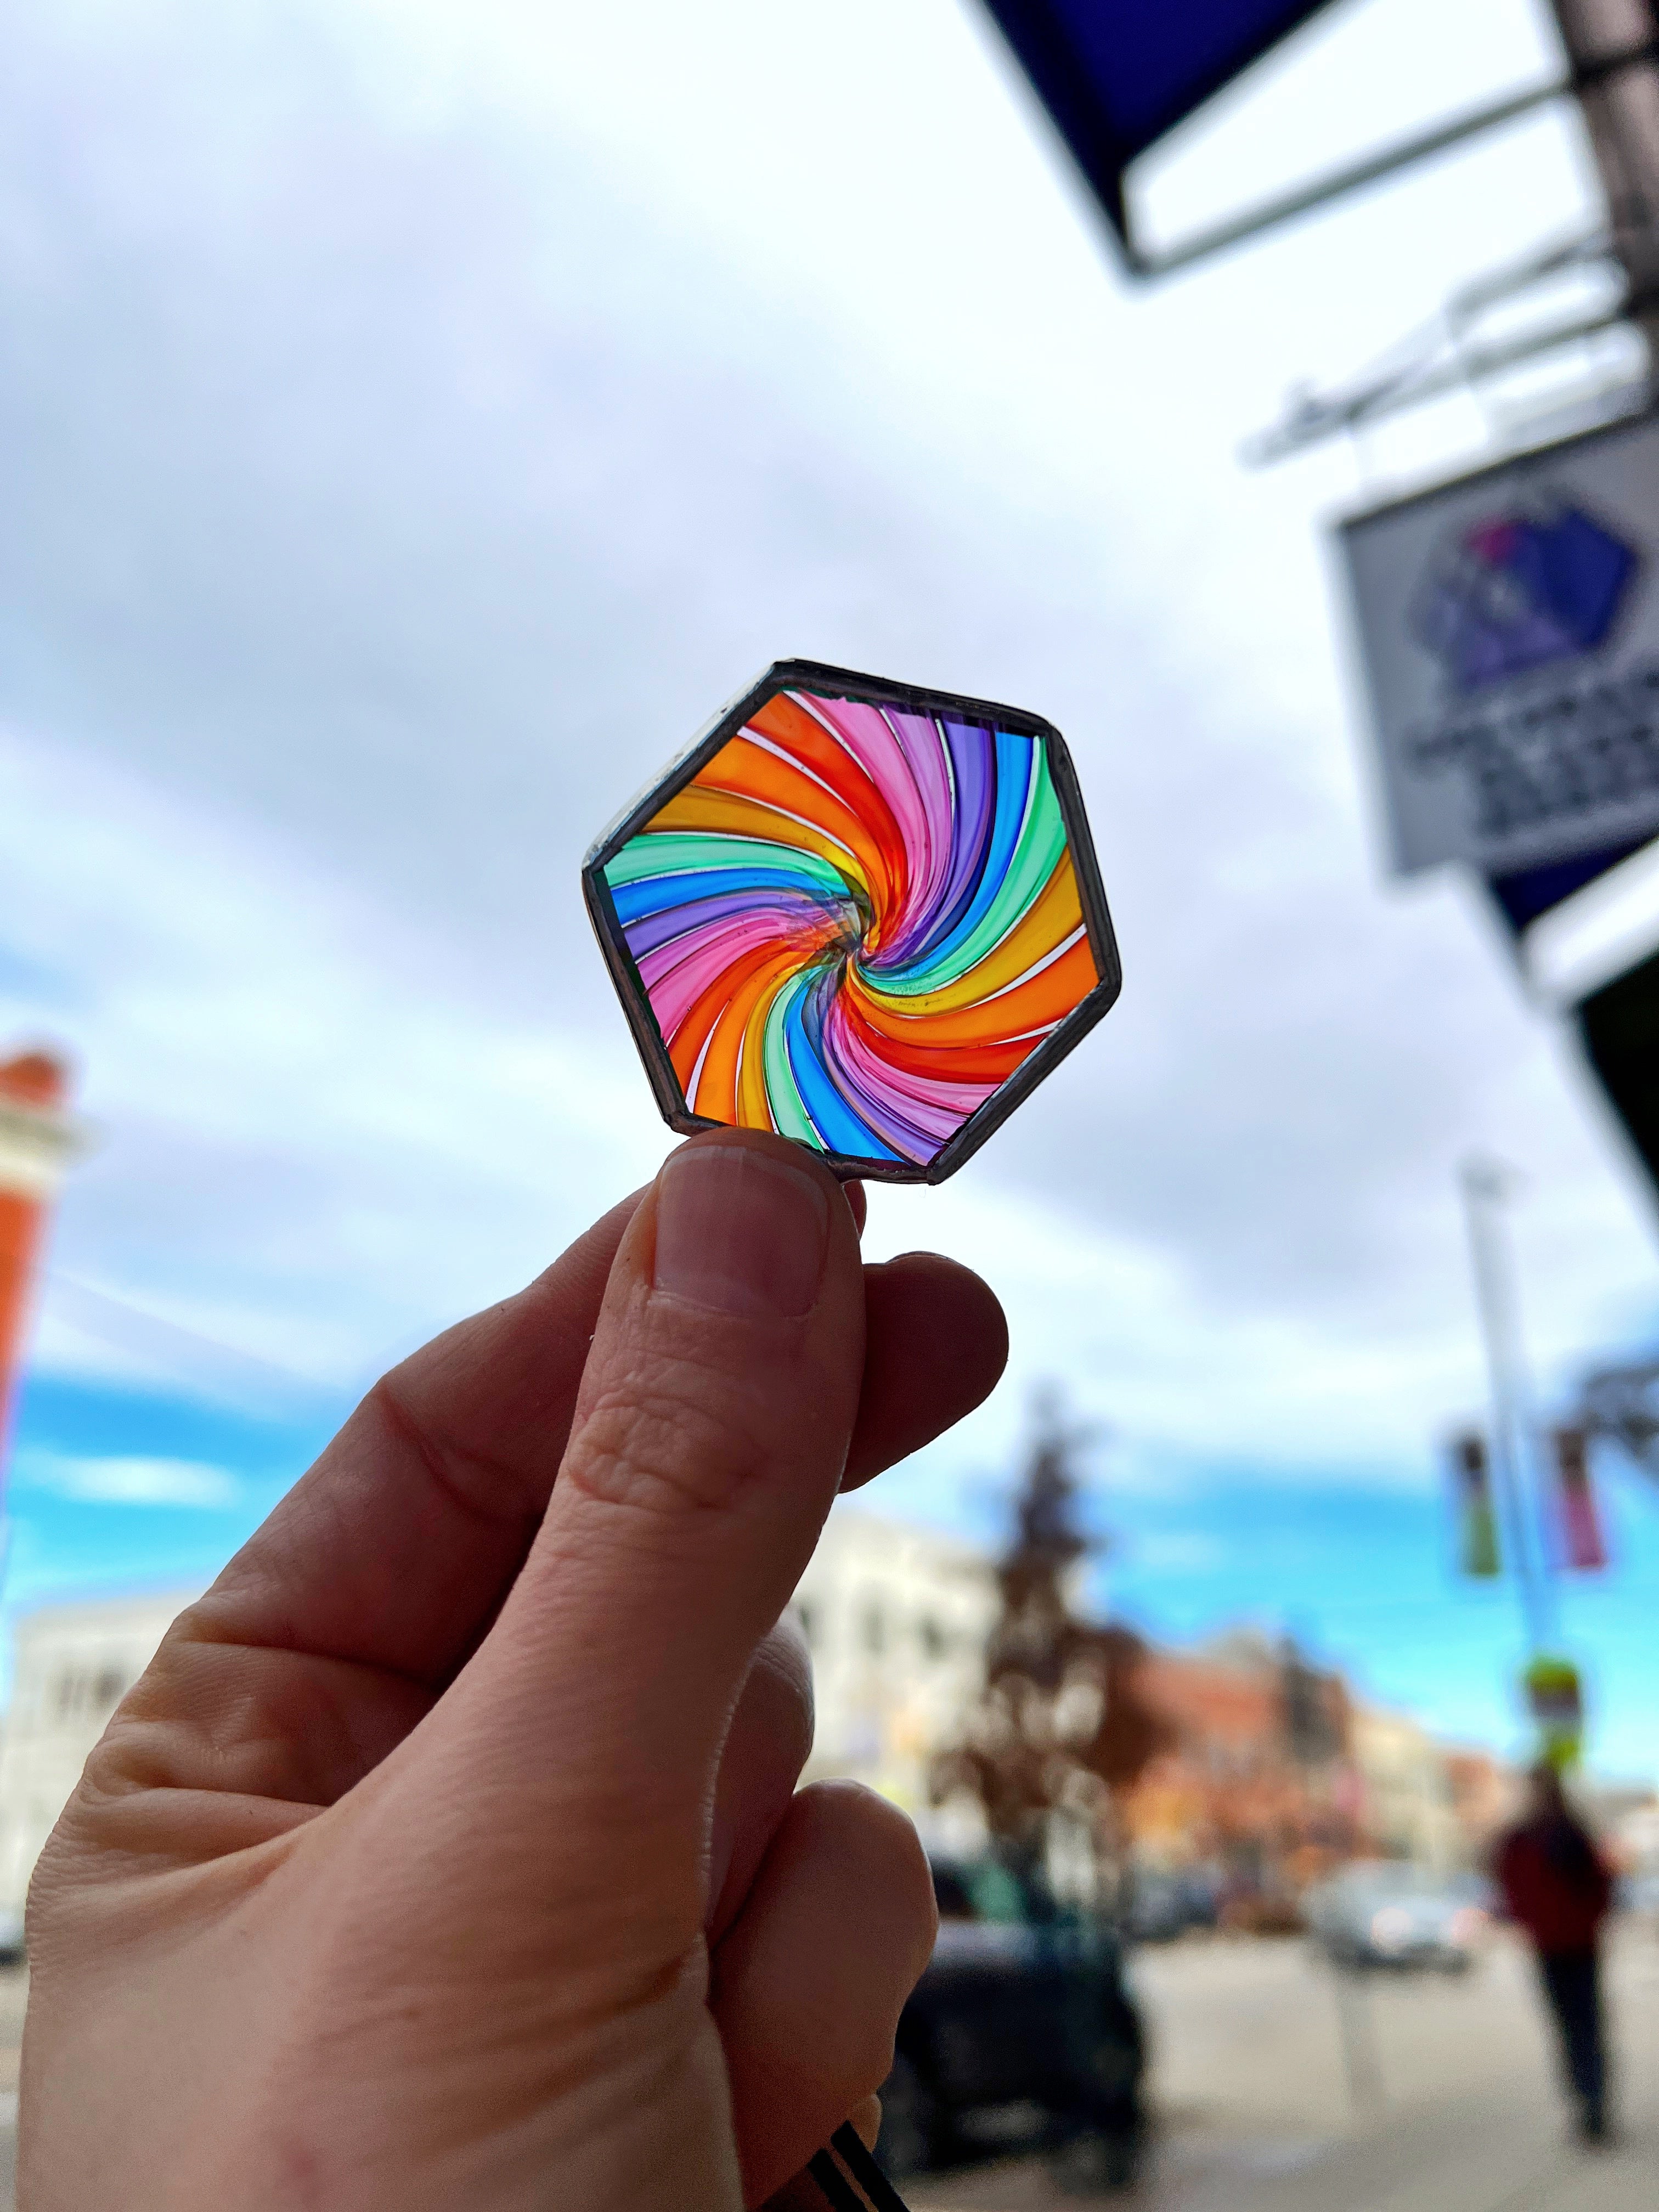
1409	1805
72	1665
897	1619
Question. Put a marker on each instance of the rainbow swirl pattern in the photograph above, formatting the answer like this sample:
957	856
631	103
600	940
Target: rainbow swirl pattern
854	922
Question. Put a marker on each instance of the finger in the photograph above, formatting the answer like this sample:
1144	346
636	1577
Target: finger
378	1574
396	1548
865	2119
803	2194
809	1983
768	1743
936	1343
710	1435
859	1202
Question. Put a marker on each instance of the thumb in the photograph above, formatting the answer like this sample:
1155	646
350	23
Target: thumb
709	1438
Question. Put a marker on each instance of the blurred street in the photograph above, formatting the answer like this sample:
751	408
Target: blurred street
1254	2105
1457	2108
14	1993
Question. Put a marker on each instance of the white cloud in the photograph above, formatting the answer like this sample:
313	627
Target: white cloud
402	475
312	1155
168	1482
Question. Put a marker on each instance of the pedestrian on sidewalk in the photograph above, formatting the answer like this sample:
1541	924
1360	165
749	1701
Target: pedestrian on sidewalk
1558	1887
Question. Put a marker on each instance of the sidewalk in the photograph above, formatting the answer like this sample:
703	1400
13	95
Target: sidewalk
1458	2108
1280	2090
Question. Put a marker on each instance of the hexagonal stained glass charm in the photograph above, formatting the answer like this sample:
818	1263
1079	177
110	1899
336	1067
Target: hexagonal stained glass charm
865	916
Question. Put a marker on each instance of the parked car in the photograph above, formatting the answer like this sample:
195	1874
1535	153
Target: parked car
1164	1906
1021	2006
1639	1893
1381	1914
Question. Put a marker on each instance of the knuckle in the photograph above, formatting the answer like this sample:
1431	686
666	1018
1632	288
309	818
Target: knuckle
878	1856
777	1694
675	1441
486	1487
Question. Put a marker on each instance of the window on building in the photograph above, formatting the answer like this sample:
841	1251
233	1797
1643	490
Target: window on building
934	1641
875	1630
80	1693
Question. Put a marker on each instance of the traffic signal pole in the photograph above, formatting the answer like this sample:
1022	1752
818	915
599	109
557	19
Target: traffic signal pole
1493	1265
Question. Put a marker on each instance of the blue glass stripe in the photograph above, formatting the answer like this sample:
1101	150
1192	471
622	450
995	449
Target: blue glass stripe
838	1125
650	894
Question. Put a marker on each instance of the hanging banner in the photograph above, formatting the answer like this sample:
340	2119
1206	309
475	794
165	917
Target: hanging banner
1579	1520
1508	627
1477	1524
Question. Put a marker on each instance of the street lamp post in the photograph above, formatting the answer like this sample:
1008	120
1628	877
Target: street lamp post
1484	1186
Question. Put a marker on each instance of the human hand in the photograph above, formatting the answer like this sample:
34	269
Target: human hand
448	1855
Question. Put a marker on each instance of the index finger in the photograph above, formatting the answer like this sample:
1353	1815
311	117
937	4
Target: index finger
397	1547
394	1550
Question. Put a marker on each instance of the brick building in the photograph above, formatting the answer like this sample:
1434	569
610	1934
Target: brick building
1258	1783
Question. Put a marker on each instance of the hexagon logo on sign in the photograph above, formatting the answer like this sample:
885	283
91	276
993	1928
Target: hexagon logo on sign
1520	589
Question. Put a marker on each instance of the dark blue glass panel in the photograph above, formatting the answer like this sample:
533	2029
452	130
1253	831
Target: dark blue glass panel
1116	74
1530	892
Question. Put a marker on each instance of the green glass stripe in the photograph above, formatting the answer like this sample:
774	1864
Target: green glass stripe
782	1094
669	854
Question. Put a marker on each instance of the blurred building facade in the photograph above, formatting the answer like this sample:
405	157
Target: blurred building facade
896	1618
72	1665
1257	1785
1484	1792
1272	1772
1407	1801
1277	1772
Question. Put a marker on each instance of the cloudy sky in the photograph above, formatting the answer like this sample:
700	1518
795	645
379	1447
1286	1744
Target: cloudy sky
417	420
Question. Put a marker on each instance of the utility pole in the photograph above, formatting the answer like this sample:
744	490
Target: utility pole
1485	1187
1621	114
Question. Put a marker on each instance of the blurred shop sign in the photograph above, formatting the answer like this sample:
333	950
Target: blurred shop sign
1508	627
